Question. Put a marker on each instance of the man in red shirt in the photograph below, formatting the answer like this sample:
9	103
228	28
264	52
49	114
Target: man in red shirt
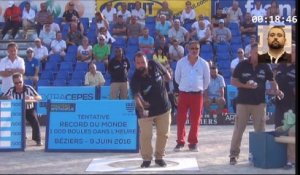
13	19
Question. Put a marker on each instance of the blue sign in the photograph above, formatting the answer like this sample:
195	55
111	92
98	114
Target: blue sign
92	125
12	125
64	93
231	94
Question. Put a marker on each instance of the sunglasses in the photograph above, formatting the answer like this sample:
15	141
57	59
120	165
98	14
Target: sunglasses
195	48
18	82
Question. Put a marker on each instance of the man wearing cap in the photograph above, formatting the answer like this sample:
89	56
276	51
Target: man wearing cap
179	32
13	19
31	67
40	52
221	34
9	65
101	51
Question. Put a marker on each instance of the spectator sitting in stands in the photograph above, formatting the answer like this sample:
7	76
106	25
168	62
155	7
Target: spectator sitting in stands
165	10
219	15
40	52
84	51
134	29
188	14
69	13
42	17
258	10
160	56
79	25
202	33
248	47
126	14
176	51
146	42
12	17
93	77
120	28
101	51
139	13
272	12
53	26
47	36
31	67
101	21
179	32
58	46
109	13
196	24
215	91
248	28
108	38
235	62
162	26
74	36
234	13
221	34
28	18
161	41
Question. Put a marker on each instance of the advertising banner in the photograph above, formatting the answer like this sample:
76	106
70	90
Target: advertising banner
92	125
12	124
63	93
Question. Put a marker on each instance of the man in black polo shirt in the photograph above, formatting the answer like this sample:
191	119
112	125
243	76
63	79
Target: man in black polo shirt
276	41
118	68
285	77
250	79
22	91
152	106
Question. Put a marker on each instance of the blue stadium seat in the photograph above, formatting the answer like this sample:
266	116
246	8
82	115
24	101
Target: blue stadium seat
28	82
92	37
75	82
132	41
223	64
223	56
59	82
51	66
120	42
236	40
149	19
233	26
63	75
207	55
44	83
101	67
78	75
66	67
46	75
70	58
56	58
206	48
173	65
58	20
81	66
85	22
72	49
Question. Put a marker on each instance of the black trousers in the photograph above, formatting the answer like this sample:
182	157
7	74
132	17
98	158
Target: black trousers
31	117
11	25
280	109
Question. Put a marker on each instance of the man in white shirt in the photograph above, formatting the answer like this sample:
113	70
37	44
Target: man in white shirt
40	52
28	18
192	74
9	65
139	13
110	13
58	46
238	59
126	14
258	10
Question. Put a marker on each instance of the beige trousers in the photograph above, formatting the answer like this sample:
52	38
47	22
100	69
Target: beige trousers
243	113
119	90
162	123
